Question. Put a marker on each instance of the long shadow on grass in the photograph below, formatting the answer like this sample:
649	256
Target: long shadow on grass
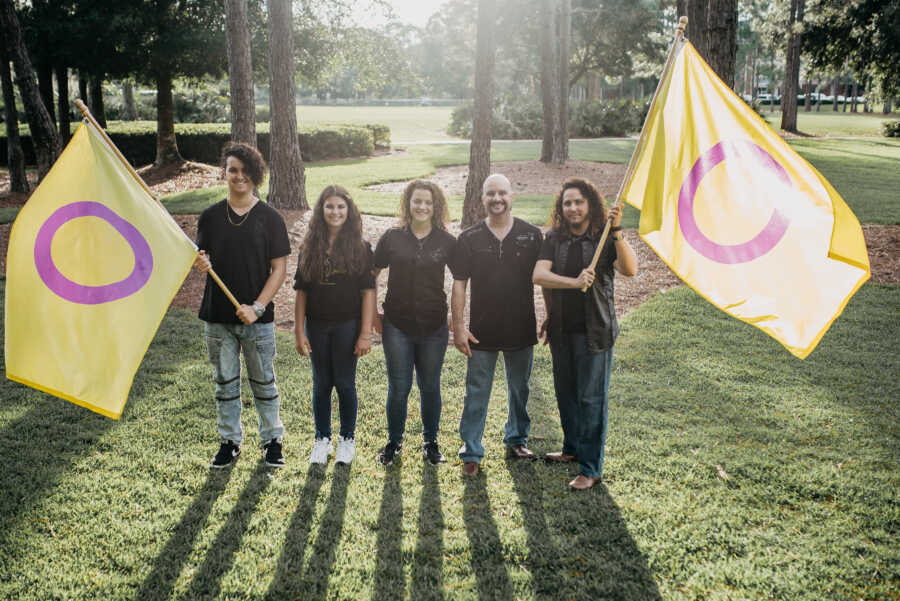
487	556
389	577
287	582
427	581
207	583
161	580
318	570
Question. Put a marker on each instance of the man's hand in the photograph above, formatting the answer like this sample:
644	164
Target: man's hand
363	345
461	339
246	314
301	343
615	214
202	262
585	279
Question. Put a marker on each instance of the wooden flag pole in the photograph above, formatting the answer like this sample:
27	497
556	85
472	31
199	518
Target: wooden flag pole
87	115
679	36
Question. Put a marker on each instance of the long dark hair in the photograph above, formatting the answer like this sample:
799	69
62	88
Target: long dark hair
438	201
348	255
596	206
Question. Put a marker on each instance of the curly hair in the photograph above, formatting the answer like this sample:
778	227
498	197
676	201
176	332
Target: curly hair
596	207
253	161
438	200
348	254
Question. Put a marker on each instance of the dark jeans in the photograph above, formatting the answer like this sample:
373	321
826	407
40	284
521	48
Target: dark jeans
581	380
333	366
402	353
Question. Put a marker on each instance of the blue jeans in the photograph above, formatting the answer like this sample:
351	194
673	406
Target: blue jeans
479	381
225	341
402	353
333	367
581	380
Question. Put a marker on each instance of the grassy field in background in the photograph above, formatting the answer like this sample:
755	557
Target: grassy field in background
805	506
828	123
407	123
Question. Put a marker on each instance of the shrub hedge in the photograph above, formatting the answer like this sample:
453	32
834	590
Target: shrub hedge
202	142
891	129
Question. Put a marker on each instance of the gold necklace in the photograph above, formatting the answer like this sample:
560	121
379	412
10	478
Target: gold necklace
228	216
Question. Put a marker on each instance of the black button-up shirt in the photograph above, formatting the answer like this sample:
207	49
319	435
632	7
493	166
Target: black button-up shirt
501	311
415	302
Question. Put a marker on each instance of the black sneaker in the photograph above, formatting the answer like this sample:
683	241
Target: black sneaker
227	455
272	452
386	455
431	452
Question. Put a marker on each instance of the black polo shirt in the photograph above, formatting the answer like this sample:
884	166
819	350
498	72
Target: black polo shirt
241	249
336	297
415	302
501	310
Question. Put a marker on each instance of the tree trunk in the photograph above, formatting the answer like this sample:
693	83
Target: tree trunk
62	99
131	113
834	94
846	94
722	38
287	186
549	81
240	73
45	85
854	94
791	70
83	88
807	97
166	144
681	8
97	108
44	137
565	30
697	26
480	147
886	109
14	154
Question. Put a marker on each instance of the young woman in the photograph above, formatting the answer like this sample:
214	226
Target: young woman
333	314
414	328
582	327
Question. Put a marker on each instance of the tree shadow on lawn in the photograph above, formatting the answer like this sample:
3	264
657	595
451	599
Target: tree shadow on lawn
161	580
427	580
390	580
487	555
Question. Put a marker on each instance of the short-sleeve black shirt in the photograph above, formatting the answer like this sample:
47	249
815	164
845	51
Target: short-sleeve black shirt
416	302
241	256
571	300
336	296
501	311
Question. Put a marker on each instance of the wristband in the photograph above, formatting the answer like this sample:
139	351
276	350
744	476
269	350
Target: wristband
616	228
617	238
259	309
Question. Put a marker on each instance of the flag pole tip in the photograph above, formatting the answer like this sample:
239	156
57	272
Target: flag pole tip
682	22
81	106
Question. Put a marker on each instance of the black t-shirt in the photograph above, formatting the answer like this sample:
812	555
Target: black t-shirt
572	299
416	302
241	249
501	311
336	297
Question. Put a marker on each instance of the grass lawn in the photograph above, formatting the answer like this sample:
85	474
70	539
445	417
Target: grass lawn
828	123
407	123
94	508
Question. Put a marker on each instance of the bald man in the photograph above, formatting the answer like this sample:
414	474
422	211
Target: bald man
498	256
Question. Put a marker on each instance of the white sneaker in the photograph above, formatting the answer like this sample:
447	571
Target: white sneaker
346	450
321	450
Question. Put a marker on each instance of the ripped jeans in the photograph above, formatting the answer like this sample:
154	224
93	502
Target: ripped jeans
225	341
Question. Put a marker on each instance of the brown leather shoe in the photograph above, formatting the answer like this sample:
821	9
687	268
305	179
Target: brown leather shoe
559	457
470	468
583	482
519	451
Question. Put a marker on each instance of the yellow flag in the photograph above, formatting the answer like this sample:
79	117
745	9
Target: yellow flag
92	266
738	215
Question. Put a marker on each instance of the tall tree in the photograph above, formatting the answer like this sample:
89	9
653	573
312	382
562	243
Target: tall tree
131	113
44	137
563	56
722	21
14	153
62	99
480	146
287	185
792	68
98	109
240	73
550	88
697	27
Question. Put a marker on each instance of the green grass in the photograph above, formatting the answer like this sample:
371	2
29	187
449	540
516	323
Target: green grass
828	123
407	123
99	509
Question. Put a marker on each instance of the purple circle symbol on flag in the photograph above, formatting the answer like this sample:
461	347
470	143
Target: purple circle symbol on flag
79	293
765	240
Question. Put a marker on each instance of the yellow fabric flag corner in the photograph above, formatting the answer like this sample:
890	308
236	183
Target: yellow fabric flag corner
738	215
92	265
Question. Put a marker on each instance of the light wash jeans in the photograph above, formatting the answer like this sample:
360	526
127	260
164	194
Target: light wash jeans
581	381
402	353
225	341
479	381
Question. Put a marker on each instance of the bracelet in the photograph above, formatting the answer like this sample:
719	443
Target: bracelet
616	228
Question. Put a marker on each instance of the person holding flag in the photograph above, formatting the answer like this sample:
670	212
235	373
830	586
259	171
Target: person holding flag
246	242
581	326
